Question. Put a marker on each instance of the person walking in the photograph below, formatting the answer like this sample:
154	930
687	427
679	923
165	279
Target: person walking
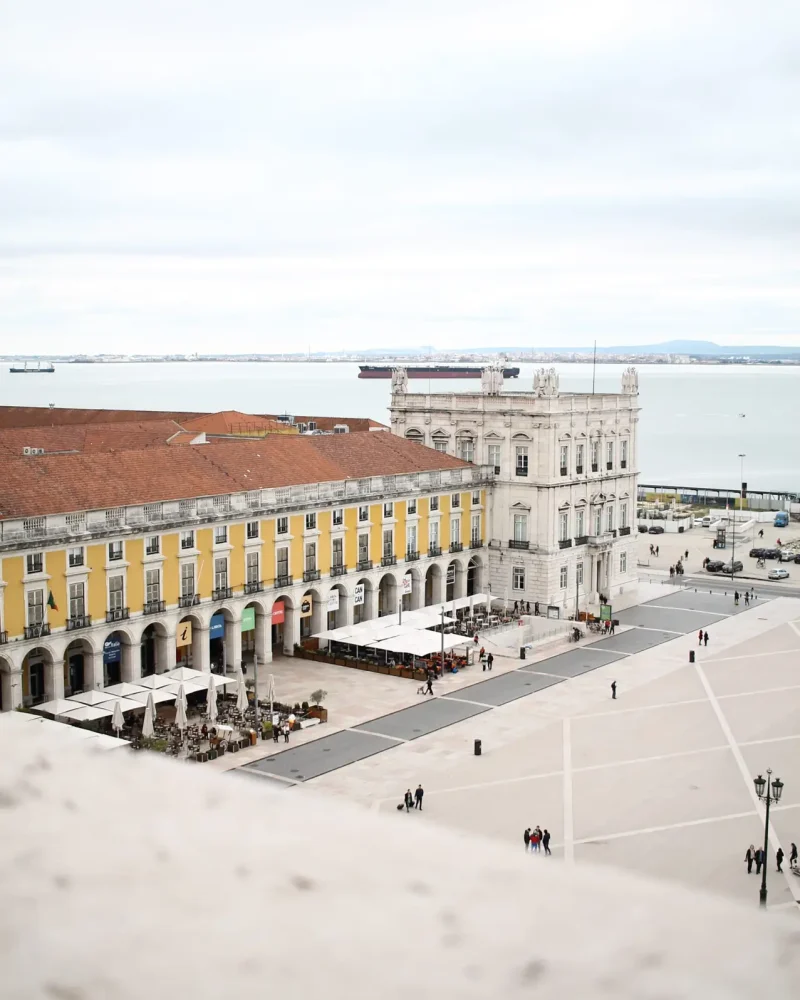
700	638
535	840
746	598
613	625
793	856
686	554
761	533
705	638
614	690
286	732
749	857
429	685
546	841
671	572
490	660
408	799
658	549
418	798
736	598
779	859
526	837
759	859
276	732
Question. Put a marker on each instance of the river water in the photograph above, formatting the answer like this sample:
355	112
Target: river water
696	420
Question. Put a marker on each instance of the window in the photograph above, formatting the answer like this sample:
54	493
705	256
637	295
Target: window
282	526
580	517
187	508
579	574
609	454
562	577
311	557
220	573
595	455
337	552
388	510
598	523
520	527
476	498
152	585
252	529
114	551
152	545
116	593
455	500
221	534
388	543
75	556
251	568
221	504
564	459
187	580
363	548
440	446
522	460
518	578
311	522
411	507
475	529
312	425
466	449
433	534
338	517
623	454
153	511
363	513
563	525
434	503
282	562
411	538
76	522
35	607
610	517
33	526
623	562
114	516
455	530
187	539
623	515
579	449
35	563
77	603
494	458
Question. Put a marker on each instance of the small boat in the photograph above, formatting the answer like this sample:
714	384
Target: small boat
430	371
33	368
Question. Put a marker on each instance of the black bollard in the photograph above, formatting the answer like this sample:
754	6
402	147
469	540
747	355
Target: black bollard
477	748
691	656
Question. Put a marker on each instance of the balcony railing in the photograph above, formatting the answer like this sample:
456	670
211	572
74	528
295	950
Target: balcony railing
118	614
221	593
434	550
411	555
594	466
309	575
609	466
456	546
35	631
476	543
522	470
283	581
3	638
581	539
579	470
603	539
518	543
79	621
188	600
565	543
563	470
154	607
254	587
388	560
364	564
624	531
338	570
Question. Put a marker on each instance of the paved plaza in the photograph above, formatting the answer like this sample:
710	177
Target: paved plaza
659	781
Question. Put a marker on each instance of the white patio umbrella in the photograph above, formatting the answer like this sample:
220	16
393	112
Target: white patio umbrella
189	687
241	691
92	697
117	721
124	690
55	707
86	713
157	696
180	710
186	674
149	714
155	681
212	700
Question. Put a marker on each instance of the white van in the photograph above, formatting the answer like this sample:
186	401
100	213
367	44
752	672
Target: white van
706	522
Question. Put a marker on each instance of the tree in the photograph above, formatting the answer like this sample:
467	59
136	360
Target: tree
318	696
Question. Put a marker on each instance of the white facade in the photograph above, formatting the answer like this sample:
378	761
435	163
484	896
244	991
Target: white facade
562	508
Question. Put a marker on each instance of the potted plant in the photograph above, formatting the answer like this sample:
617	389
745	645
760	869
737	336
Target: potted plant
318	712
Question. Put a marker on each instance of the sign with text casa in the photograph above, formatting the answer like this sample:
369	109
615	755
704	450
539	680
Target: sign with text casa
358	594
306	606
216	629
333	600
183	637
407	584
112	650
278	613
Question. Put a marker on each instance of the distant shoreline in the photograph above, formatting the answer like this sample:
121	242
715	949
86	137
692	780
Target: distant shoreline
605	359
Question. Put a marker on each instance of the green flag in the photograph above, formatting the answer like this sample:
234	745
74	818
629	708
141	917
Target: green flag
51	601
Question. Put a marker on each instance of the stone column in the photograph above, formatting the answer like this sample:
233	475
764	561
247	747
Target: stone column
263	637
165	652
233	643
54	679
201	650
131	664
11	681
93	677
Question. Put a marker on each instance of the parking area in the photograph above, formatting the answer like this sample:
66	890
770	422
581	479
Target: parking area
506	688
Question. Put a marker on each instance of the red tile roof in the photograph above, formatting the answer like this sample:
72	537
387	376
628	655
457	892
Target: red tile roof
44	416
233	422
53	484
122	436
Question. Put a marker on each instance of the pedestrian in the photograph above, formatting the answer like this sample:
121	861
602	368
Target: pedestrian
613	625
761	533
535	841
671	572
614	690
527	607
286	732
705	638
276	732
490	660
749	857
408	798
686	554
736	598
482	654
779	858
516	607
536	608
526	837
658	549
759	860
700	638
546	841
475	638
793	856
418	798
746	598
429	685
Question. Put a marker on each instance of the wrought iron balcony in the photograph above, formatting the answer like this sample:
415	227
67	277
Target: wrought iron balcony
581	539
364	564
154	607
188	600
35	631
79	621
565	543
476	543
283	581
118	615
594	466
411	555
563	470
609	466
518	543
254	587
456	546
434	550
624	531
221	593
309	575
338	570
522	470
388	560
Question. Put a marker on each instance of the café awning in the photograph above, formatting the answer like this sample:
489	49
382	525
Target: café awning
419	642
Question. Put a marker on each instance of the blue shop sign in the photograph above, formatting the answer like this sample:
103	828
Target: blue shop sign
217	630
112	651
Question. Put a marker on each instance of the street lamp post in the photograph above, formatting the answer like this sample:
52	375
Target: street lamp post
768	790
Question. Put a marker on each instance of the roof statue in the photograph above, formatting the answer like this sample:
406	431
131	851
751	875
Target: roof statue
492	380
545	382
399	380
630	382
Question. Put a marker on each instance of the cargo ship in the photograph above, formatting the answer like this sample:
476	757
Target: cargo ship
430	371
32	369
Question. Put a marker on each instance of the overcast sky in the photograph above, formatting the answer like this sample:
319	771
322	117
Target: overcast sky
285	174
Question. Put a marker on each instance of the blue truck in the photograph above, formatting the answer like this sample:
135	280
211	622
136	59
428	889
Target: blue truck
781	519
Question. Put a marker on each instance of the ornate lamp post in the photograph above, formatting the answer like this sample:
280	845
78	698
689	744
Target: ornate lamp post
768	791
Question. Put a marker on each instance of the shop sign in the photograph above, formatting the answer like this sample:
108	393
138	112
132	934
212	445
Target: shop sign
248	619
217	627
553	611
358	594
306	606
407	584
333	600
112	650
183	637
451	574
278	613
605	612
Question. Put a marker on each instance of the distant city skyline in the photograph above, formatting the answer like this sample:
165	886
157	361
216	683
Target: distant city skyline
264	177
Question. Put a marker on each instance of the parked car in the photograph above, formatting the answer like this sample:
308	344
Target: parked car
787	556
715	565
706	522
643	529
698	522
779	573
732	567
656	529
757	553
797	558
771	554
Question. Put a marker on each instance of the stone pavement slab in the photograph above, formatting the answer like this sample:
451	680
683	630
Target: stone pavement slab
507	687
321	756
635	640
419	720
668	619
574	661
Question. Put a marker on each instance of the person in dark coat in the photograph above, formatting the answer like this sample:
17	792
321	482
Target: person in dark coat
408	799
546	841
429	685
489	661
526	837
793	855
418	798
705	638
614	690
779	858
749	857
700	638
759	860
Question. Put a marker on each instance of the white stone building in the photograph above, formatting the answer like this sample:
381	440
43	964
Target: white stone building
562	507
